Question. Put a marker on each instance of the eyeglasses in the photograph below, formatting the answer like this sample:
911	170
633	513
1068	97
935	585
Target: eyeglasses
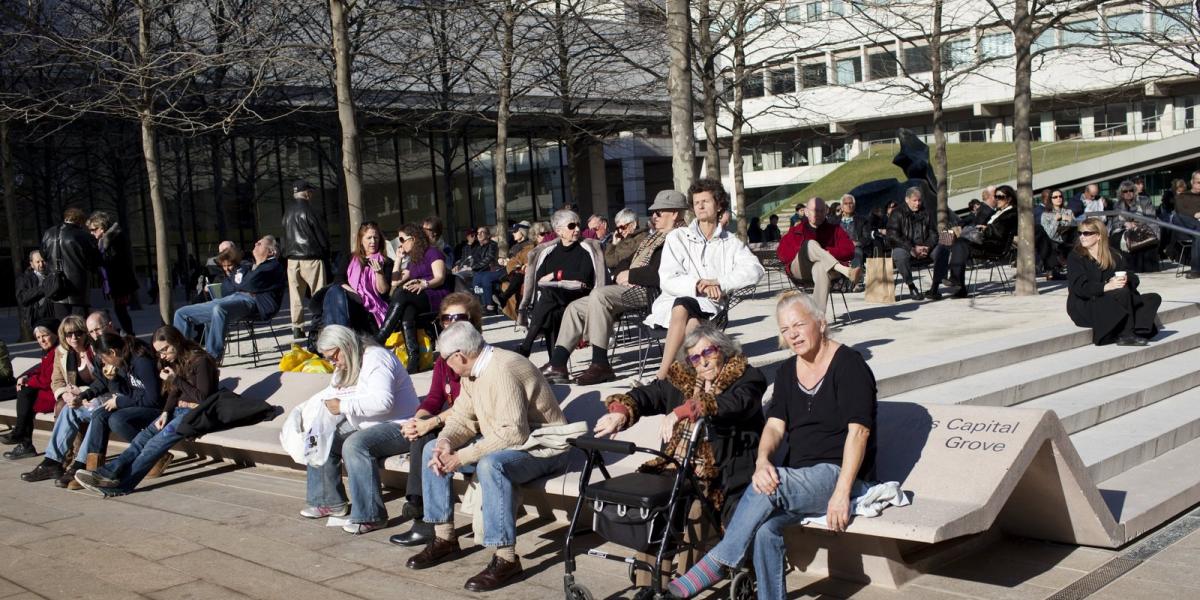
708	352
1056	196
1129	191
454	318
1088	233
572	226
73	333
1000	196
403	240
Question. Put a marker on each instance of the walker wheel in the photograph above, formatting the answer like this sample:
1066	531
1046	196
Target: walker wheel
632	574
578	592
742	586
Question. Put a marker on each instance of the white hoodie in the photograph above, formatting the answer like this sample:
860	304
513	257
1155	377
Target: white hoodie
688	257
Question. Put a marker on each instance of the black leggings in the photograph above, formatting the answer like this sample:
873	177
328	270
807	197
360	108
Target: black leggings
409	304
416	448
22	430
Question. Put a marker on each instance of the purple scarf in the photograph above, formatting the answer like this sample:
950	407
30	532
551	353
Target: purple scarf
362	279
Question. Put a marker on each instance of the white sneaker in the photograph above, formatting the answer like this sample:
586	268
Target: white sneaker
320	512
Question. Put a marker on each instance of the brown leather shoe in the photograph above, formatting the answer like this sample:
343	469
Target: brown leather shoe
596	373
435	553
498	574
160	467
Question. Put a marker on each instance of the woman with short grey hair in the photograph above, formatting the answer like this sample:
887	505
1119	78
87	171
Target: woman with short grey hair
560	273
1138	239
372	395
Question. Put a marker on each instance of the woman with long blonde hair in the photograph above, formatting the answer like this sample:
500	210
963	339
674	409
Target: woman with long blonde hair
1103	295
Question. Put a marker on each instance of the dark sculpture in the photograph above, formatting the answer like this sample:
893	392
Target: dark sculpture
913	159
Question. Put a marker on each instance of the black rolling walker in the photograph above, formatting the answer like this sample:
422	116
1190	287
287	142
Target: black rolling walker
645	512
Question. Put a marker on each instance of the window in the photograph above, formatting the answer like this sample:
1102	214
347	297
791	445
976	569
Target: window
754	21
848	71
996	45
837	7
793	14
814	74
956	53
783	81
1080	33
1045	41
813	11
1189	112
1124	28
973	130
1066	124
793	155
883	65
1110	120
917	60
1150	117
1175	21
754	85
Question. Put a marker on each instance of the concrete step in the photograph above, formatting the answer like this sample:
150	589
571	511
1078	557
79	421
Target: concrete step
896	377
1121	444
1153	492
1011	383
1100	400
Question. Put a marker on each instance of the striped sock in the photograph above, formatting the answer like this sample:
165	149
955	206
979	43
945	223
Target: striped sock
702	575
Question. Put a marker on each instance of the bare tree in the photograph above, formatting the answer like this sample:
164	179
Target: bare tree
679	87
351	163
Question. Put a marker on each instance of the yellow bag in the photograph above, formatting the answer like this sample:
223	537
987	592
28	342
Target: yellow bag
294	358
316	365
425	353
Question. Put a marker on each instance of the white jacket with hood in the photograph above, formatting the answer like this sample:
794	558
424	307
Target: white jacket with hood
688	257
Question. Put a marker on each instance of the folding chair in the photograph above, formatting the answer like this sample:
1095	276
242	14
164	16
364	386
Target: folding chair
248	326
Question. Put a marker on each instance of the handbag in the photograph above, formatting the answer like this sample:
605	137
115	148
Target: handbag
1138	239
880	281
56	286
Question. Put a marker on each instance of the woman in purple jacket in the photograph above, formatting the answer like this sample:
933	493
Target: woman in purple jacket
418	286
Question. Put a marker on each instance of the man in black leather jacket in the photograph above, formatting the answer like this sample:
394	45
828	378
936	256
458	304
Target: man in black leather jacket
306	249
30	294
912	234
79	257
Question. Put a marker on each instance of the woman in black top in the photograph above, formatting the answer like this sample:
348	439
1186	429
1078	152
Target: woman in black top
1110	305
569	270
824	406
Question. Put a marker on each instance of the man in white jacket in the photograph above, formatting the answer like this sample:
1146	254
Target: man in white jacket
701	264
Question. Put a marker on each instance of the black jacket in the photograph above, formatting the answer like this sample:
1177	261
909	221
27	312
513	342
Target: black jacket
304	231
1104	313
32	299
266	282
906	229
481	257
224	410
229	283
79	258
998	236
117	260
144	370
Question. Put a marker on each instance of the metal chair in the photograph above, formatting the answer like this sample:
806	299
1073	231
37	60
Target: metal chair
630	329
771	264
1185	250
248	326
996	265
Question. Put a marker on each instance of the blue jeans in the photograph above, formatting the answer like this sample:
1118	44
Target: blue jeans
144	450
761	519
483	283
215	317
360	449
68	423
497	472
1191	223
127	422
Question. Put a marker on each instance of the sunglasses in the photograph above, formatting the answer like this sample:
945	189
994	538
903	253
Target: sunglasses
403	239
454	318
708	352
1088	233
73	333
572	226
1001	196
1056	196
1129	192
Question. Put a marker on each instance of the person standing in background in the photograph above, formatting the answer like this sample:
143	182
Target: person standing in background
306	249
117	278
68	249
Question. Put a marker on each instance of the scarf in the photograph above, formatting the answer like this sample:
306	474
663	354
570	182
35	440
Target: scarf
641	256
362	279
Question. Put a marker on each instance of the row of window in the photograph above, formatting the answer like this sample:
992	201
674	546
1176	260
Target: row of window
957	53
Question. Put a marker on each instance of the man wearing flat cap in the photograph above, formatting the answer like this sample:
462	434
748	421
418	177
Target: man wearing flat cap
306	248
593	315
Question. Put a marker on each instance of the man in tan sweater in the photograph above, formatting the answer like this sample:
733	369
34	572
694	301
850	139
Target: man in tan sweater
503	399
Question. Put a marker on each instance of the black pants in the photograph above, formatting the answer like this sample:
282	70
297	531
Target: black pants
412	488
22	430
409	305
546	317
120	308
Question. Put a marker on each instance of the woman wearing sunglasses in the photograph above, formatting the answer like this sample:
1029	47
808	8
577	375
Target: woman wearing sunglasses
416	289
34	394
1058	221
1137	239
1104	295
711	379
427	422
559	273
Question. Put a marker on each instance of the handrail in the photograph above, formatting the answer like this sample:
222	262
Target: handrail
1143	218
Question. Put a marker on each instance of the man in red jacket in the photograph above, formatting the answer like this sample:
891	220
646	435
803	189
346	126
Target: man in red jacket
814	248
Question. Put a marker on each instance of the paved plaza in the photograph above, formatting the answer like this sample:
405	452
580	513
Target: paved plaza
213	529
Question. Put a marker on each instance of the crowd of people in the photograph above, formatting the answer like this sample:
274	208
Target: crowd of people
491	412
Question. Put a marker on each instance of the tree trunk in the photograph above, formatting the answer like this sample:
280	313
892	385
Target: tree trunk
10	214
351	164
218	186
739	94
1026	284
941	166
504	96
679	87
708	85
150	153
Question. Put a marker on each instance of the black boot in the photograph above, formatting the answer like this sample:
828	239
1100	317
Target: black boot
410	344
391	322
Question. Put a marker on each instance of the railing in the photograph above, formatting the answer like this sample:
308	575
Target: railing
976	176
1145	219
